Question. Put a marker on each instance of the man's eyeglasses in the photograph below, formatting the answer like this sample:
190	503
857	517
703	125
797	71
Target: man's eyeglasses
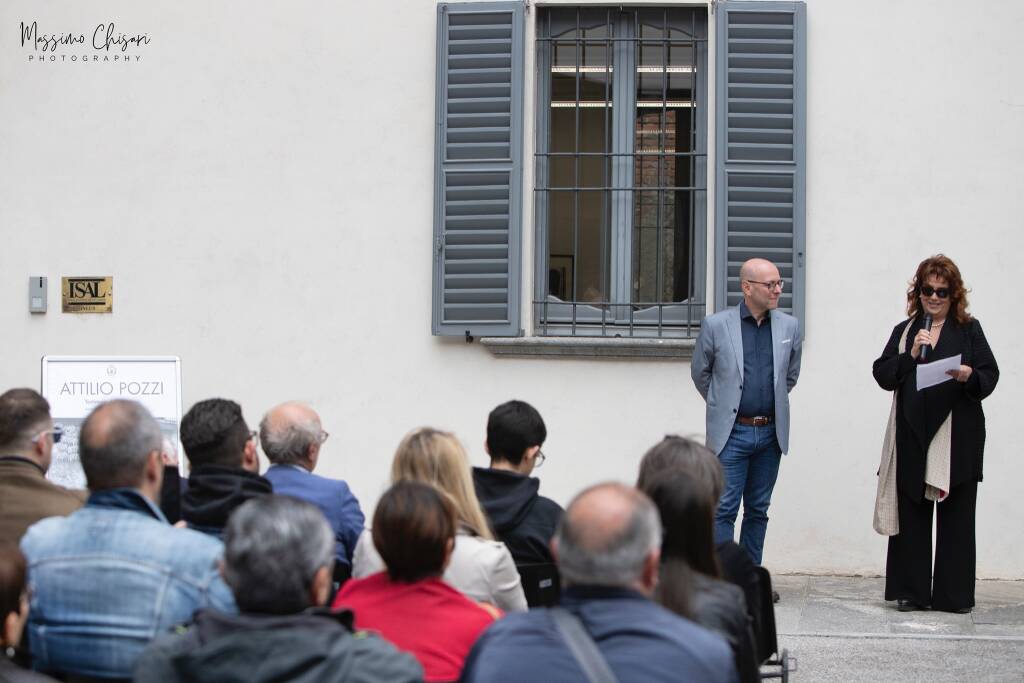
56	432
941	292
323	436
539	460
254	436
773	284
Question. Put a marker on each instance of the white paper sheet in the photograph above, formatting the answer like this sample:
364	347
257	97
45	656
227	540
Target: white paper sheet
930	374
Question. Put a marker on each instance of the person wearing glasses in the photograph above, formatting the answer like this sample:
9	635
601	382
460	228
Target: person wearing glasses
27	436
934	443
223	465
745	363
522	519
292	437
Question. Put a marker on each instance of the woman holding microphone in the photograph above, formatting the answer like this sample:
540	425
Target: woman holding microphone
936	436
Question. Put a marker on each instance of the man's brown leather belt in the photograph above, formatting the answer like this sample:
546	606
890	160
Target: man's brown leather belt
759	421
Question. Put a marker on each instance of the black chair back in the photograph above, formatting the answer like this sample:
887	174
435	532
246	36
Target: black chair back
767	638
541	583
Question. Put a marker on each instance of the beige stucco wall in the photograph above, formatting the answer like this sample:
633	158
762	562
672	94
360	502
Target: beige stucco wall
260	186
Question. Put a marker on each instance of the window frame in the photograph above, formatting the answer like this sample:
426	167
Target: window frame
746	213
683	318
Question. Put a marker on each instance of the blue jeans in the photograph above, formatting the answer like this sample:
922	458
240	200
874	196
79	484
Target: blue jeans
750	463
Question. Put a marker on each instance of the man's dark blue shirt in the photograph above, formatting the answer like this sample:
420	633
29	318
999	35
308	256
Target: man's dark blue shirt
758	397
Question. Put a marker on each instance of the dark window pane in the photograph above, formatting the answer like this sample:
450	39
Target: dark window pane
578	220
662	218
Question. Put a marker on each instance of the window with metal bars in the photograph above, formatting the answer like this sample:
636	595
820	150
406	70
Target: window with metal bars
621	171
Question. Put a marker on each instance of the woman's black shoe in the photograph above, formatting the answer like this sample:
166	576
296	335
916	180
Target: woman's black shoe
908	606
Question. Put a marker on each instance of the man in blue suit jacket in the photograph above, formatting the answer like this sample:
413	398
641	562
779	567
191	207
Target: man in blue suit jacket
291	436
746	361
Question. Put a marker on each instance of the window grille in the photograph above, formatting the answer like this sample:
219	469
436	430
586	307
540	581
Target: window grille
621	172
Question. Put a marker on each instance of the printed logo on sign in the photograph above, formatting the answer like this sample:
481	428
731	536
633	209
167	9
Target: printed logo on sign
102	43
87	294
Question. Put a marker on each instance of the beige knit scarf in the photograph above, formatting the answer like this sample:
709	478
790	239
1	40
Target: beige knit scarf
936	474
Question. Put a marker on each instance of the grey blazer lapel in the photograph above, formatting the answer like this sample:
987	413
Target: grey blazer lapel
736	337
779	349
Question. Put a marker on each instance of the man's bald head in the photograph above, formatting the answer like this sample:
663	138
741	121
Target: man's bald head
759	269
762	286
290	434
115	445
608	533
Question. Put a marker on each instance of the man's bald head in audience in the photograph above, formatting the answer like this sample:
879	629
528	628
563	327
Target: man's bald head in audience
291	434
610	535
120	446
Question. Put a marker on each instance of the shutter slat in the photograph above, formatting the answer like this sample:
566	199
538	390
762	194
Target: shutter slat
468	76
457	135
459	296
480	61
471	219
760	139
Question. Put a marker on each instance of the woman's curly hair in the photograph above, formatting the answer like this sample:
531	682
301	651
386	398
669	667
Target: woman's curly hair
940	266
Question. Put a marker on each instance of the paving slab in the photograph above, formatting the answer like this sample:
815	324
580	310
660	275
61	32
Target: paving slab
841	629
823	659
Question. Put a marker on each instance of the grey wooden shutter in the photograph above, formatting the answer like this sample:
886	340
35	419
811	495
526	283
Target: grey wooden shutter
760	150
478	169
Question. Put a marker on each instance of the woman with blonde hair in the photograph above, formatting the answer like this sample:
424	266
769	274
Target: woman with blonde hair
480	567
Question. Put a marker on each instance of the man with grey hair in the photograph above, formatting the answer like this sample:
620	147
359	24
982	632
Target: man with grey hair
607	548
292	436
277	560
110	575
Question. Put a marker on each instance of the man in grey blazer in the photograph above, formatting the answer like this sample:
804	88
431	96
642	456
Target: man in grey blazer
746	362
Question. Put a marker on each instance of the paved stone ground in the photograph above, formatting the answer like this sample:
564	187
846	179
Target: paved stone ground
840	629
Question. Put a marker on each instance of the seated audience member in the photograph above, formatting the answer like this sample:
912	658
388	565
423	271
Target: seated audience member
679	453
480	567
688	582
13	613
223	464
607	548
522	520
278	553
409	604
292	436
27	436
112	574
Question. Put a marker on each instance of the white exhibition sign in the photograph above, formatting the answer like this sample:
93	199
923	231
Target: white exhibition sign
74	385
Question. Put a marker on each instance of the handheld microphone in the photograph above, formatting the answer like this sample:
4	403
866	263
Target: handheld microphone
925	347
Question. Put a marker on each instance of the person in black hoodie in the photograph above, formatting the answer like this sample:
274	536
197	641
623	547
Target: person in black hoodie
224	464
522	519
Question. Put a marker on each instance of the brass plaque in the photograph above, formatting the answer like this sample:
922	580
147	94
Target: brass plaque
87	294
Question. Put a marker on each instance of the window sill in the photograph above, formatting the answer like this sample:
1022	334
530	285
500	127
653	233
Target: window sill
594	347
